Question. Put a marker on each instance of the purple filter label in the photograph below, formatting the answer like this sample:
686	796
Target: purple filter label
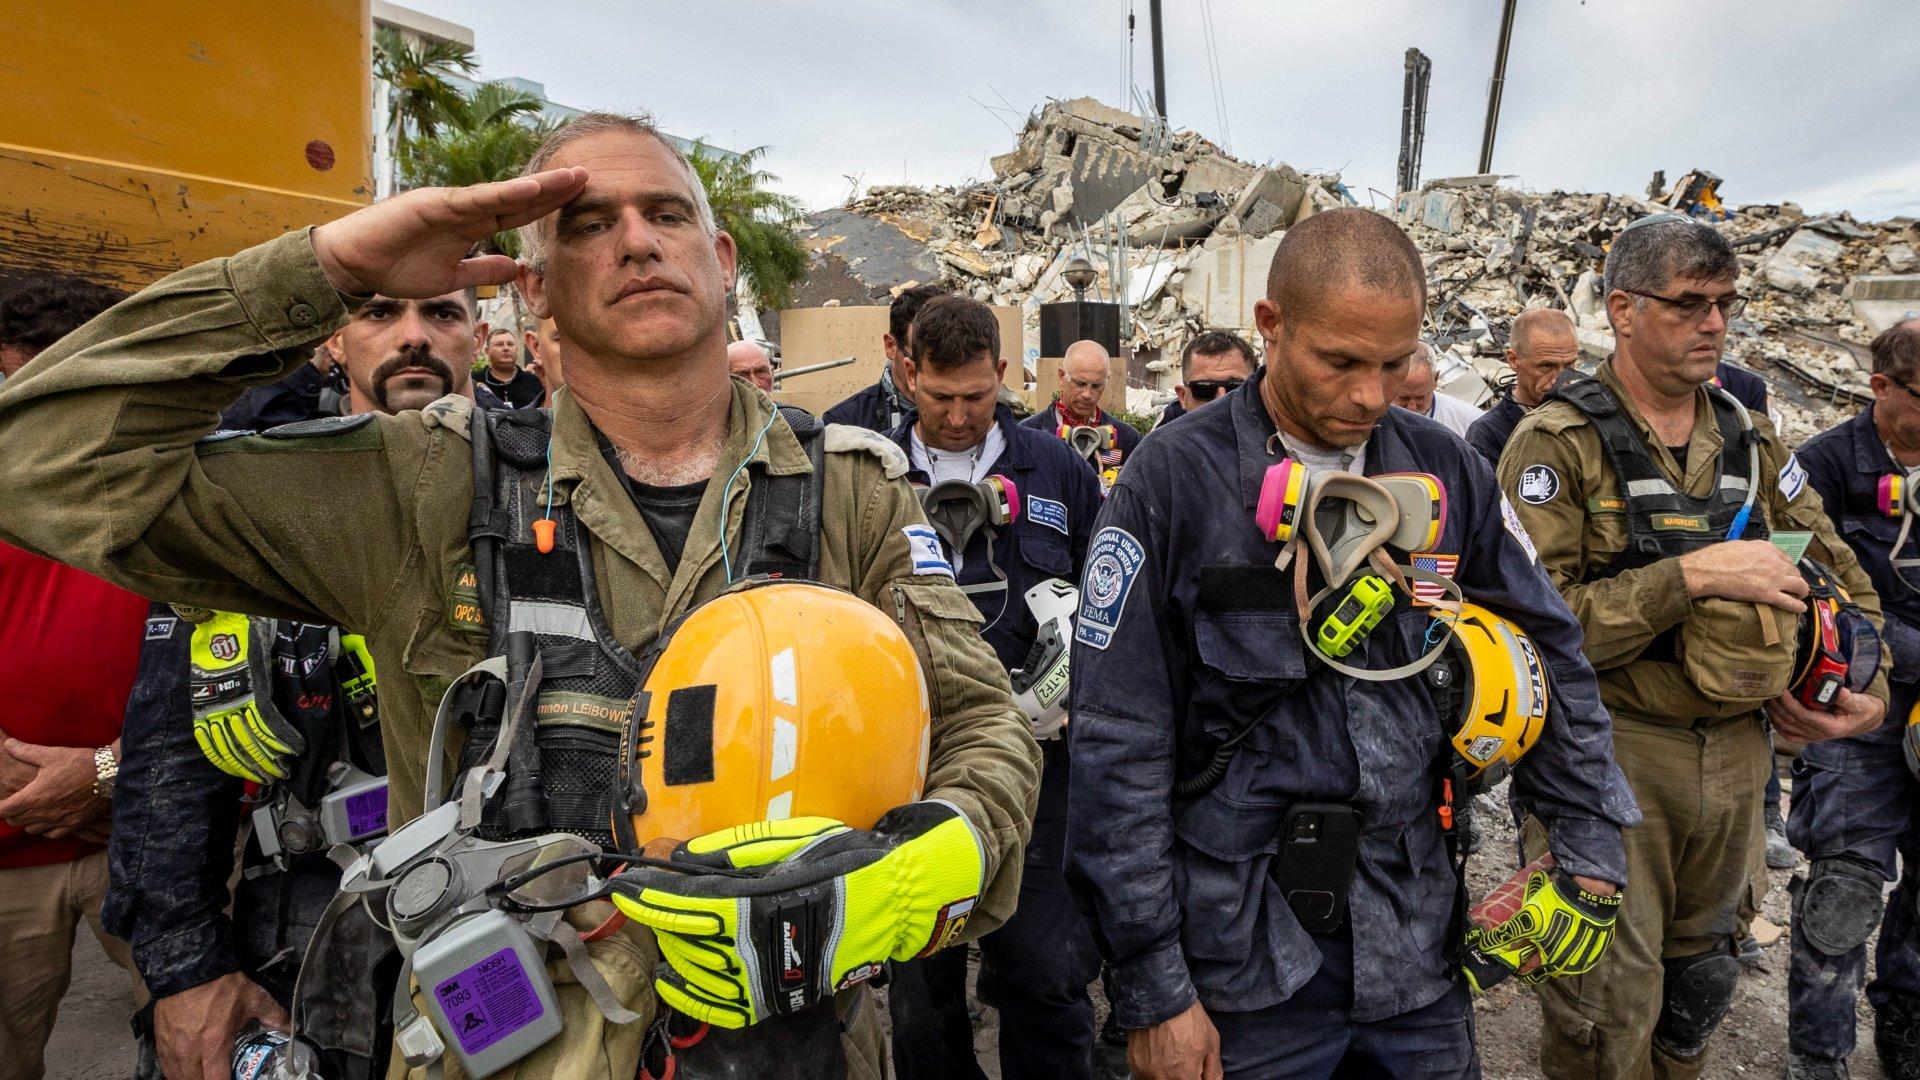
488	1001
367	812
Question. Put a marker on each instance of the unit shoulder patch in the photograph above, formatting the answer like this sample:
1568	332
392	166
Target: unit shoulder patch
1538	485
846	439
1114	560
1516	530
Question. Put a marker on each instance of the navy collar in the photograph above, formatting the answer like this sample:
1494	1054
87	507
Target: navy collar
1012	454
1870	456
1387	449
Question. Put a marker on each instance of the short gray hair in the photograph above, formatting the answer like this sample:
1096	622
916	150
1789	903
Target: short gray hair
1647	255
533	235
1422	356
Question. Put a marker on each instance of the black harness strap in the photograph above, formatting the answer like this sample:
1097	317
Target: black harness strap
1662	520
781	528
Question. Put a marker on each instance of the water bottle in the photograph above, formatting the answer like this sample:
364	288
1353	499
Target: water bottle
261	1053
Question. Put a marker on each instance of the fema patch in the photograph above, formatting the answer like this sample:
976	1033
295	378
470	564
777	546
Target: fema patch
924	544
1539	484
1047	512
160	627
1793	478
1113	561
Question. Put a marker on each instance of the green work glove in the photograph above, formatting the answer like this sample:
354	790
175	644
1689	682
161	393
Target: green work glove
822	908
239	730
1570	927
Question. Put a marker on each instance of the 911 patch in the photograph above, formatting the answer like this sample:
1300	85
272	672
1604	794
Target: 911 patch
1793	478
1113	561
1047	512
924	544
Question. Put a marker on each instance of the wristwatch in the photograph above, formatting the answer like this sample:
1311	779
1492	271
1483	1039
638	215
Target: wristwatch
106	769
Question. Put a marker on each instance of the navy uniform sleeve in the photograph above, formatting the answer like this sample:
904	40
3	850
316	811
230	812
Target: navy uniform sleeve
1825	461
1084	502
1482	436
174	821
1119	817
1569	779
1127	435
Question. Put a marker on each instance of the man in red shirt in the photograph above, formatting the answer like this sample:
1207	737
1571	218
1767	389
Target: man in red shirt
70	644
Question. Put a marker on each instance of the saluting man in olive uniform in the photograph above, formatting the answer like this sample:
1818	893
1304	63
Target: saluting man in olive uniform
362	522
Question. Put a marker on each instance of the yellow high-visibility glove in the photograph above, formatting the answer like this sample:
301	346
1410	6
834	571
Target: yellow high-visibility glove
358	682
821	907
229	679
1570	927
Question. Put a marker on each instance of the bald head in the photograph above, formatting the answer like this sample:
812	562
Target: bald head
1539	328
1083	379
749	361
1337	250
1541	346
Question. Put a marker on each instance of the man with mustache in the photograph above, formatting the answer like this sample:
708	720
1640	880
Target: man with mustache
173	856
656	461
1202	720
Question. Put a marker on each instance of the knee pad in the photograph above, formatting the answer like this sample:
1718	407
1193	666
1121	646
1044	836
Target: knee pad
1698	995
1839	905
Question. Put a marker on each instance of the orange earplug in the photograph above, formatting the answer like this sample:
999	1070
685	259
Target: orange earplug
543	534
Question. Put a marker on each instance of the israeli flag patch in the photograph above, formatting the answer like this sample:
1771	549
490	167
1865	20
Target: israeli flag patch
1113	561
924	544
1047	512
1793	478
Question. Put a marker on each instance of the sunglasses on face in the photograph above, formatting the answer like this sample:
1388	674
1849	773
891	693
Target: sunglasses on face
1208	389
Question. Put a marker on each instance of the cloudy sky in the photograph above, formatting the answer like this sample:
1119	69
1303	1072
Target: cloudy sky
1815	102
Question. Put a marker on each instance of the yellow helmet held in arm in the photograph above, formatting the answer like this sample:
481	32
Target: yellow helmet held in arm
773	700
1491	690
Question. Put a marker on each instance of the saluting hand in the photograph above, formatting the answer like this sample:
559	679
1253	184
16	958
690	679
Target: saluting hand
415	244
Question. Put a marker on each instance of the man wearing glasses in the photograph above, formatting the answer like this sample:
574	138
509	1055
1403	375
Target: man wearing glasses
1691	617
1854	799
1083	379
1214	363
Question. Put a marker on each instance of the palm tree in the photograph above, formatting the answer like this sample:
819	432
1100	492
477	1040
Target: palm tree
422	94
760	220
477	139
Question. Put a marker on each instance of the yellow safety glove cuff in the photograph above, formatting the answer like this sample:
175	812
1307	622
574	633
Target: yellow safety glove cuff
785	935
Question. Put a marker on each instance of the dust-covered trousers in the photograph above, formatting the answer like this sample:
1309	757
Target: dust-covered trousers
1855	797
1688	868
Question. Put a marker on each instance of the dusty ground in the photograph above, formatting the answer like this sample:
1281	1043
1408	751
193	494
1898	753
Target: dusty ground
91	1040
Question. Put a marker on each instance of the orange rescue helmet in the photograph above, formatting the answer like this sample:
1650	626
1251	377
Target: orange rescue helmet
776	699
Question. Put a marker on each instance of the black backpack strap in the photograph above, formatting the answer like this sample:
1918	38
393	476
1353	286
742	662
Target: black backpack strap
781	530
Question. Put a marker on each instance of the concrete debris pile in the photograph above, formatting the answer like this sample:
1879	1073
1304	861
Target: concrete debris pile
1181	233
1820	286
1176	228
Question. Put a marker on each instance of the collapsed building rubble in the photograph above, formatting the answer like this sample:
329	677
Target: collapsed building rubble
1180	233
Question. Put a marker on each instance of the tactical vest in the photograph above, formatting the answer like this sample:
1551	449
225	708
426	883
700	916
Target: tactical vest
588	679
1662	520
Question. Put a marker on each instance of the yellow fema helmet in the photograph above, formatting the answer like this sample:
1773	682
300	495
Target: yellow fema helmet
1489	684
773	700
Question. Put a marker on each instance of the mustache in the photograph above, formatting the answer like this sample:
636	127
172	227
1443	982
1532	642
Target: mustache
417	357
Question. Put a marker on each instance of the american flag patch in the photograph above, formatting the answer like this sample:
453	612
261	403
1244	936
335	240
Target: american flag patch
1427	593
1109	458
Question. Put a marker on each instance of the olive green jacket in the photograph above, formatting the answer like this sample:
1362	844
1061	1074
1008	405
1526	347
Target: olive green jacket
1582	525
361	522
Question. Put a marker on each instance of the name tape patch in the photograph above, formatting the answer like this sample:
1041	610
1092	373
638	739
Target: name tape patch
160	627
1047	512
924	543
1113	561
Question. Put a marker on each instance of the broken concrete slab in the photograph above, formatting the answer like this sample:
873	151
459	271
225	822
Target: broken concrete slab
1881	300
